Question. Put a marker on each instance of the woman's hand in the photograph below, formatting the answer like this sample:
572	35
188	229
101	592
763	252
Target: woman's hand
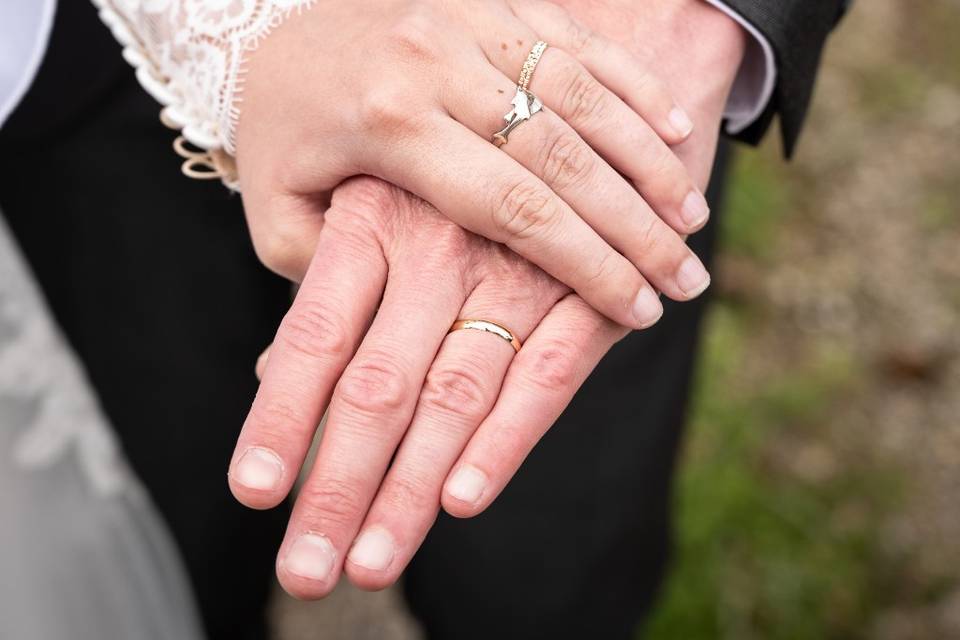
416	417
411	91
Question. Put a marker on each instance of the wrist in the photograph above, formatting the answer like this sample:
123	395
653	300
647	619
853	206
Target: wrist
719	40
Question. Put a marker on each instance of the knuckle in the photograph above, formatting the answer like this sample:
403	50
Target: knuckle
567	161
274	419
585	99
663	168
457	390
389	110
647	83
525	211
665	179
552	366
315	330
359	218
452	241
409	495
658	161
508	443
603	272
579	37
516	282
447	241
363	195
413	34
332	501
375	385
671	180
646	235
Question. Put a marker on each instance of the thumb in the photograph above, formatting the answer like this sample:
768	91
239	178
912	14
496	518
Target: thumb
284	228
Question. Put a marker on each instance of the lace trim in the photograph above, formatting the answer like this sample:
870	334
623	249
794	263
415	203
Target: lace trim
190	56
214	164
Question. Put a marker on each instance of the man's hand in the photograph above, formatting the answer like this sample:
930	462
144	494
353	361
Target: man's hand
416	417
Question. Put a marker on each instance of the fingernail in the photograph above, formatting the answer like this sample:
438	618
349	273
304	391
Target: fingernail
680	121
467	484
647	308
373	549
259	469
692	277
311	556
695	210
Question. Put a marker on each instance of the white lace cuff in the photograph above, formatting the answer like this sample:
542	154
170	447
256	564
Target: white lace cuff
189	56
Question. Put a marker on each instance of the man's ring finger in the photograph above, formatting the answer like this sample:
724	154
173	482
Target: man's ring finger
489	327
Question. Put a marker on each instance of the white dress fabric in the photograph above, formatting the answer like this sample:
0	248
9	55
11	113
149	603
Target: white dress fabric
83	552
189	56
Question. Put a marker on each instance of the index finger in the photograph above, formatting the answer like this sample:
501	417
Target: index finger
313	345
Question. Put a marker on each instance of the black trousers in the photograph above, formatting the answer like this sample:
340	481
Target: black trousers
155	283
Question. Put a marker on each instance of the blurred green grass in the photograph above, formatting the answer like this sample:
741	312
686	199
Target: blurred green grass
778	511
759	553
758	199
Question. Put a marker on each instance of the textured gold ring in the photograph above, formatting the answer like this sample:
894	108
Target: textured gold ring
489	327
526	73
525	104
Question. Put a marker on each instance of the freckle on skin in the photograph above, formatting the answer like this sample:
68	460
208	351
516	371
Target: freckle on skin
503	45
499	90
519	43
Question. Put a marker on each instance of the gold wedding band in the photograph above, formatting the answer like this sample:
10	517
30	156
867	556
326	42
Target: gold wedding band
526	73
489	327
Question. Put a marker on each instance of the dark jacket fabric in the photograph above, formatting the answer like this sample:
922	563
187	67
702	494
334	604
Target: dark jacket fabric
797	31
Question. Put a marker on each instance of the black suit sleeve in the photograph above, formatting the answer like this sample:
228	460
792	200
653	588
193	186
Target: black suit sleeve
797	31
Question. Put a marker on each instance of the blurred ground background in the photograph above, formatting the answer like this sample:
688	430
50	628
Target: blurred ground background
819	495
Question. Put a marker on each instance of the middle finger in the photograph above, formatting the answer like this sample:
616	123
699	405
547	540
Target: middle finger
369	412
460	390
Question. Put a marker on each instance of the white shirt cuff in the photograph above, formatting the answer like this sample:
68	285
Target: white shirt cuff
753	86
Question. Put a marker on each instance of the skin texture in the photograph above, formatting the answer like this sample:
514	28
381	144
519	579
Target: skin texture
696	50
397	387
404	387
411	90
